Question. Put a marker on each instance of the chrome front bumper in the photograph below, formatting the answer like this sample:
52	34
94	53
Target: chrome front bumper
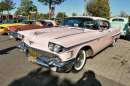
49	63
12	34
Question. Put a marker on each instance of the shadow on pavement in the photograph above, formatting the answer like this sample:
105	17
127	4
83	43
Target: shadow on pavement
88	79
46	78
4	34
5	51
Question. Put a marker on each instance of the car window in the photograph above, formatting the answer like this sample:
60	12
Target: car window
49	24
24	22
86	23
104	24
13	21
118	20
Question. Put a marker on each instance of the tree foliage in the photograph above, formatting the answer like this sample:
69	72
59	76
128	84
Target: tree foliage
18	12
3	7
26	7
51	2
45	16
61	15
10	5
74	14
99	8
122	14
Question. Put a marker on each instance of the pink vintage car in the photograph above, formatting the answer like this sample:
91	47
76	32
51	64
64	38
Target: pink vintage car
68	46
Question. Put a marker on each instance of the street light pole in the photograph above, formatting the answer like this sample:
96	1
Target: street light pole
85	7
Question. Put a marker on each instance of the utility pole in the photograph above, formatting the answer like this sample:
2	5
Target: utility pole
85	7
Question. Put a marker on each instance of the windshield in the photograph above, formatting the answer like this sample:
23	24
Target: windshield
24	22
13	21
79	22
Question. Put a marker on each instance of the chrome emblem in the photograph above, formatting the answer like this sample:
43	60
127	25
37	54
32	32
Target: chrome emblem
31	42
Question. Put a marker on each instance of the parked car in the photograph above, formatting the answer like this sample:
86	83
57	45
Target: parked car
4	27
14	21
67	47
58	22
40	24
123	22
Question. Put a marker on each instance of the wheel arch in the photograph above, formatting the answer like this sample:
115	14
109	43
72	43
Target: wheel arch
88	49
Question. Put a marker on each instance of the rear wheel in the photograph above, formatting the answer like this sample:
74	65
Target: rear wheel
113	43
80	60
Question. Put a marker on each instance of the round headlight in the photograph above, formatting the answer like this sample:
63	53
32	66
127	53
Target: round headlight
51	46
57	48
20	36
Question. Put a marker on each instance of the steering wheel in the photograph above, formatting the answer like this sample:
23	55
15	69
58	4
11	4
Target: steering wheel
88	26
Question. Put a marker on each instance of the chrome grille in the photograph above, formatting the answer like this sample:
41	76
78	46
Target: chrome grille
38	53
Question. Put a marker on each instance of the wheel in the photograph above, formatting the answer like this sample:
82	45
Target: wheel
80	60
113	43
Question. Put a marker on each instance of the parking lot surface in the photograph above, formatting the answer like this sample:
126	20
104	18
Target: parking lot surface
111	67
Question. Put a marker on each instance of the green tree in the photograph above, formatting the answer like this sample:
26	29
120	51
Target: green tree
2	8
122	14
18	12
26	7
74	14
61	15
51	2
45	16
9	5
99	8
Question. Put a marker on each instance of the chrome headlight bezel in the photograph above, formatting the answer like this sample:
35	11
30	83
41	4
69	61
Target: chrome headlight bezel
20	36
55	47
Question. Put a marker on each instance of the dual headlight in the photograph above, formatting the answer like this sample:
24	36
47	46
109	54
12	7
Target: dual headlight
55	47
20	36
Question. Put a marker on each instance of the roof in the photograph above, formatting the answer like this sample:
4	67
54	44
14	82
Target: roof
94	18
52	21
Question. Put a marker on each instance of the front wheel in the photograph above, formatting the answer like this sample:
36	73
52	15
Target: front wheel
80	60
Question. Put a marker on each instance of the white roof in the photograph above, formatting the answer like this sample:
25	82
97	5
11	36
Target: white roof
94	18
52	21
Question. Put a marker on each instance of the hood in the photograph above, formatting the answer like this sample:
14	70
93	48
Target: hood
14	24
14	28
60	35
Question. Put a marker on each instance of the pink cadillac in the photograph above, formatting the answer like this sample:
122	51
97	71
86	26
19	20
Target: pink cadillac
68	46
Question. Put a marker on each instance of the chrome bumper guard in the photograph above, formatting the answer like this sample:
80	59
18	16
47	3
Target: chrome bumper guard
49	63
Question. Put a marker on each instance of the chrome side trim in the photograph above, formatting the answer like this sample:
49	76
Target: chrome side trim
84	42
116	34
69	35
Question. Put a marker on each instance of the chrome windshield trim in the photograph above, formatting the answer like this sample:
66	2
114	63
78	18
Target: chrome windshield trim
116	34
84	42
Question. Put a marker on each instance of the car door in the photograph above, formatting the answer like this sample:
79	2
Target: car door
105	34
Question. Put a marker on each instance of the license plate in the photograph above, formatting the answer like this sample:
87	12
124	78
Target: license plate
32	59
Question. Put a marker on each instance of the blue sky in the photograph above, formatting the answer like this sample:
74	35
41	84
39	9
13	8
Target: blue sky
77	6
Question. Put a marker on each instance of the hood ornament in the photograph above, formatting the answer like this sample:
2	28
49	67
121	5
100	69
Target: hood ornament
31	42
37	33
